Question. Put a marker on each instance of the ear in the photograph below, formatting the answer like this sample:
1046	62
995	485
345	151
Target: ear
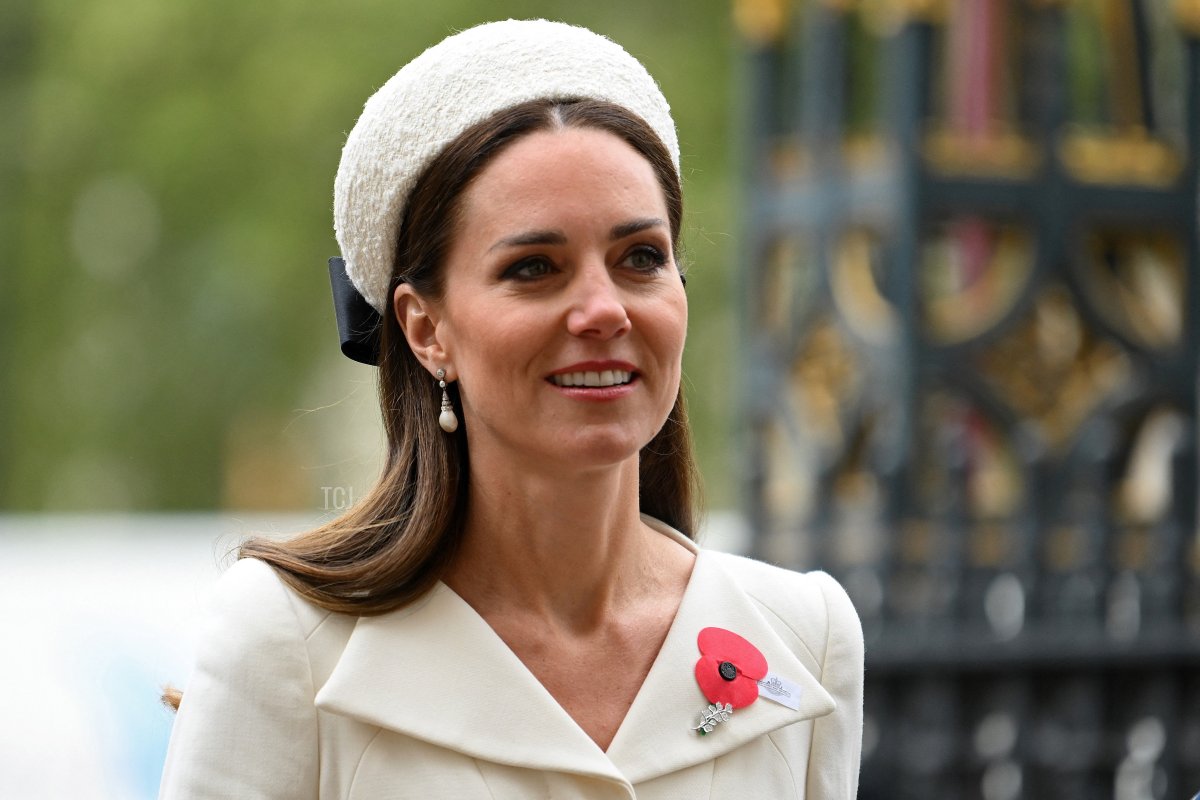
418	318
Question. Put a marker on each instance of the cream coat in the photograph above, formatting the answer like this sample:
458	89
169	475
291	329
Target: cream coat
291	701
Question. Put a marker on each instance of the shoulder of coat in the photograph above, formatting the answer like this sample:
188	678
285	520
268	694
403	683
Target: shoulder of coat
251	583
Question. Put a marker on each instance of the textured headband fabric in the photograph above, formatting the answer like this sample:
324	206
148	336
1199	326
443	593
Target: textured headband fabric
453	85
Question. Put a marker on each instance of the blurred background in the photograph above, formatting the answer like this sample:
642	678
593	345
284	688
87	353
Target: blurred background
970	338
943	262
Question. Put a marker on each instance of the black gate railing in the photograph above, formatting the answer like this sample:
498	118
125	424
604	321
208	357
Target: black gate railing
971	328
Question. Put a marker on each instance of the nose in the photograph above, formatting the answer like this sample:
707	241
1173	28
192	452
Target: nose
597	308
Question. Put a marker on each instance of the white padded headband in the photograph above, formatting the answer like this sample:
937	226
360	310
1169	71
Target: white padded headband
463	80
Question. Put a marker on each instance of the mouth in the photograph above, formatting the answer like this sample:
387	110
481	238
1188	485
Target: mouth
593	378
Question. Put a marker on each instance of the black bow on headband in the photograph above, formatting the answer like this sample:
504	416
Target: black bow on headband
359	324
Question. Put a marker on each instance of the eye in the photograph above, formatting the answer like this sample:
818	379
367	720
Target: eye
529	269
645	258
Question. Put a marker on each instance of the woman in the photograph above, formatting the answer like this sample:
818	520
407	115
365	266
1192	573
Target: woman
518	609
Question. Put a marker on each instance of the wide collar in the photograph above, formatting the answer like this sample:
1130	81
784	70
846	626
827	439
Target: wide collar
436	671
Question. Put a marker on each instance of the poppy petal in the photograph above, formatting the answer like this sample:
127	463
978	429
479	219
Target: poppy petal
728	646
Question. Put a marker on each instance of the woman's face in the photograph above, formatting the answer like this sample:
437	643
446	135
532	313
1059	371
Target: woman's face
564	316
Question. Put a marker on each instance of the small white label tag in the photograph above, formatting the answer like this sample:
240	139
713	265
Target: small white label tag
781	690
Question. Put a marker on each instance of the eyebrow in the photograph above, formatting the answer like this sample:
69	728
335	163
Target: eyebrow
531	237
557	237
634	226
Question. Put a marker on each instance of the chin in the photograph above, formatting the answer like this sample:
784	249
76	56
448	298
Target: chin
600	448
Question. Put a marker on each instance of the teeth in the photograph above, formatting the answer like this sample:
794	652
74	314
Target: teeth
609	377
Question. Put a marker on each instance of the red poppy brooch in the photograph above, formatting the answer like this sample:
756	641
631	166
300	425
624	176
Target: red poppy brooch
732	673
729	671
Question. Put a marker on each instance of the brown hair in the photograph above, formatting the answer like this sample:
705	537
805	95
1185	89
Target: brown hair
392	546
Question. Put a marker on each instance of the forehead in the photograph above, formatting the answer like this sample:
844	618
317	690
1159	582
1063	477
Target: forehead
563	172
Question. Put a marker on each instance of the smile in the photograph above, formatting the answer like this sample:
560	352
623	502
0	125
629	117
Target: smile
609	377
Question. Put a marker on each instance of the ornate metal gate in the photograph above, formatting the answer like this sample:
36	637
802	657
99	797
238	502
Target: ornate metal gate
971	330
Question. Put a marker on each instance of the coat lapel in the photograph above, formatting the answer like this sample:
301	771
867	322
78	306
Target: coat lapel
436	671
656	737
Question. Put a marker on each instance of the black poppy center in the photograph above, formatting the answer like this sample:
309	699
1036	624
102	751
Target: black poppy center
727	670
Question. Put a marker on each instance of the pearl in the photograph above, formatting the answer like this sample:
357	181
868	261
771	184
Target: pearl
448	421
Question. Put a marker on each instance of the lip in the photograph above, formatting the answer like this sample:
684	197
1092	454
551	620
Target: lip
596	394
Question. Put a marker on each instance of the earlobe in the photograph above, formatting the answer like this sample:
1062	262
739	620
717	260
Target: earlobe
418	321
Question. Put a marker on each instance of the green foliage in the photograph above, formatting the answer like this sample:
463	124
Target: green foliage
166	212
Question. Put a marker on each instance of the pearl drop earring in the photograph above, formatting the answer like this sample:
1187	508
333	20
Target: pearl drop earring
446	419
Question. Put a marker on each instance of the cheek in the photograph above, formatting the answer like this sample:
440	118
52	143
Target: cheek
664	327
484	341
673	326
